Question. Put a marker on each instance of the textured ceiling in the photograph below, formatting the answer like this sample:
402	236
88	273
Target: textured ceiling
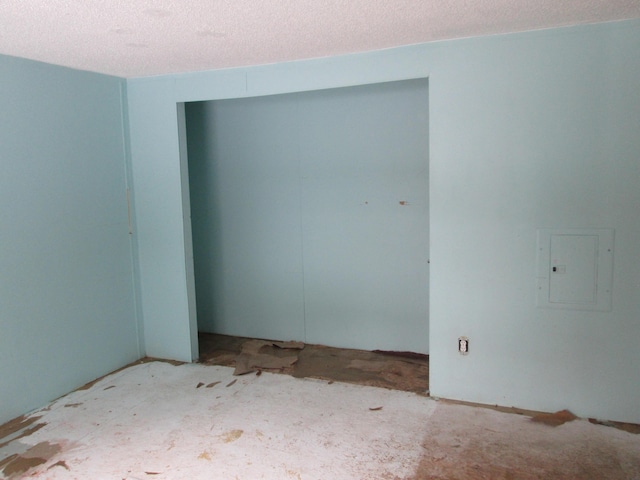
131	38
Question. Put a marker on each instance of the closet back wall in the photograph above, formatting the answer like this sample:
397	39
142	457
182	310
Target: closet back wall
310	216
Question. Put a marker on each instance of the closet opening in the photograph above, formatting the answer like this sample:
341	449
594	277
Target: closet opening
309	216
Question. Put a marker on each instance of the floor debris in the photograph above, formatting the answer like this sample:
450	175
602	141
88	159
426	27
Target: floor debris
16	425
249	363
554	419
274	427
231	436
291	345
626	427
34	456
398	370
19	428
264	354
60	463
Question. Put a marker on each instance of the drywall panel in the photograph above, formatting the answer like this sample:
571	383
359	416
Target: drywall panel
364	166
245	200
527	131
67	311
159	219
310	216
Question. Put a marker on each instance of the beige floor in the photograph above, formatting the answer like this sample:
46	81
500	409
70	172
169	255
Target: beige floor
161	421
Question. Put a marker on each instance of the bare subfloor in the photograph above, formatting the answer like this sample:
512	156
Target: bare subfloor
161	420
405	371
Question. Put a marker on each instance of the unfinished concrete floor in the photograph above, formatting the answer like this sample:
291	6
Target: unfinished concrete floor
156	420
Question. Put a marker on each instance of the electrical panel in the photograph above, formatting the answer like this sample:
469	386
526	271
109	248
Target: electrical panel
575	268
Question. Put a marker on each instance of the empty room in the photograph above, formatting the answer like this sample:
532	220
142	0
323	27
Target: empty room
297	240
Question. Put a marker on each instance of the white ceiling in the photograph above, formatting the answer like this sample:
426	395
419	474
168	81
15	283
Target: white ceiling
131	38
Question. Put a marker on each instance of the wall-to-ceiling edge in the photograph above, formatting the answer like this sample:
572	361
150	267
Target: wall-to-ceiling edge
527	131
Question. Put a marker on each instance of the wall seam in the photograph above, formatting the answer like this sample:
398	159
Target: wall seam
133	241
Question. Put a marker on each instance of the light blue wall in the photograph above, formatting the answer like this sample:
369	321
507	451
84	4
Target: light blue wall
66	298
157	187
157	182
533	131
310	215
527	131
